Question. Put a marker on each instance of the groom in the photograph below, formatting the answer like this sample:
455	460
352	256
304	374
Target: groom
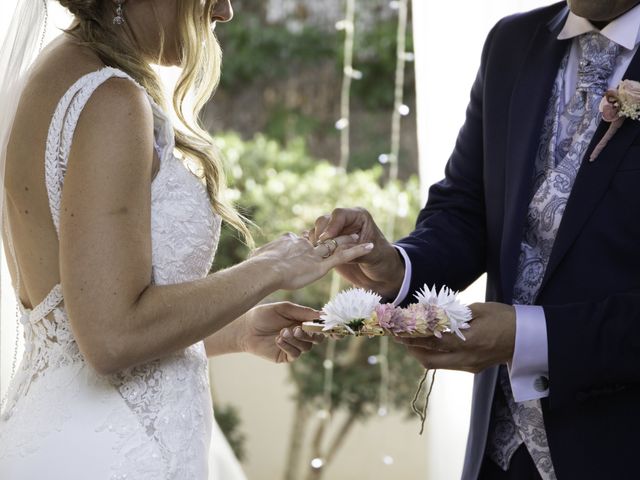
557	390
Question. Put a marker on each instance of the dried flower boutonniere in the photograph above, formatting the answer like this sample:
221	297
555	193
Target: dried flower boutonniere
616	106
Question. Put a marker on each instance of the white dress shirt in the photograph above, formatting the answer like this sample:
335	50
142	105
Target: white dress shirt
530	361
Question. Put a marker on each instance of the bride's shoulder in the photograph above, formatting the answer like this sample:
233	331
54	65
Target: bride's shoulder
65	67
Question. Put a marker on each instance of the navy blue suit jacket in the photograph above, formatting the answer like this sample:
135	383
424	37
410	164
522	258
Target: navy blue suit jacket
473	223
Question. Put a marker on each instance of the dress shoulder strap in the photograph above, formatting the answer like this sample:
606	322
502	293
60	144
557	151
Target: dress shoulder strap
61	130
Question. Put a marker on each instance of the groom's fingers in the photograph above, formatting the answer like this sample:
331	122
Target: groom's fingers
343	221
446	343
438	360
319	228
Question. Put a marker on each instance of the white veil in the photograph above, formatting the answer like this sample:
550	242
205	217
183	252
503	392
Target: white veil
20	44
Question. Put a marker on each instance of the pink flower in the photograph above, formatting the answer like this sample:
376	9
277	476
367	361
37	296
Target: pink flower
422	317
629	92
391	318
610	106
616	106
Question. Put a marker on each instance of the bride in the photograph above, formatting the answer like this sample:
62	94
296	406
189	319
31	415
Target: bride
110	238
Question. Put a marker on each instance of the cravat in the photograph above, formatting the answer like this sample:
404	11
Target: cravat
563	145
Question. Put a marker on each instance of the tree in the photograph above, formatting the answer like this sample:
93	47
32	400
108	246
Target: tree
285	189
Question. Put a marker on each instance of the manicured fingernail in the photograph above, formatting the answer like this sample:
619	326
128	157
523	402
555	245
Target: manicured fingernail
355	236
287	334
368	246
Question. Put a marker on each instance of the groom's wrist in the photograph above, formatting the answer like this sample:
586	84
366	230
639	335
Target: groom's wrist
394	268
406	279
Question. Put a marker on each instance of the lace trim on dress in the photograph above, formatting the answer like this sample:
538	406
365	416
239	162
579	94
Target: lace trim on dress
44	308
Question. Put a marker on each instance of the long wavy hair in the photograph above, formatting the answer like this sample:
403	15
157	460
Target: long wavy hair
201	58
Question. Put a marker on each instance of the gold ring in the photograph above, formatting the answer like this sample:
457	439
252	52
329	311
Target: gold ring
330	249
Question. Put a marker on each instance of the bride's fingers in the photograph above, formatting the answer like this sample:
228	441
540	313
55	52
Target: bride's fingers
296	339
314	338
329	247
332	244
297	313
291	351
348	254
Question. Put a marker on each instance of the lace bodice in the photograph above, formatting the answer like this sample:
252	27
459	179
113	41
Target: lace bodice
170	396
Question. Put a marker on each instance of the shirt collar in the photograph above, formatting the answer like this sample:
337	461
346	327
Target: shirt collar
624	30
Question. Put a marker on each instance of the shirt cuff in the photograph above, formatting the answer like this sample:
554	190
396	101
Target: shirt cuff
529	368
406	282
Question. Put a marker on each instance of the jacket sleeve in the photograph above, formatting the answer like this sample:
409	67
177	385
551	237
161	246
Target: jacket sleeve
448	245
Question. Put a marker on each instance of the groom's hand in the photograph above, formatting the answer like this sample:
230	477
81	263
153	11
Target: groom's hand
382	270
490	340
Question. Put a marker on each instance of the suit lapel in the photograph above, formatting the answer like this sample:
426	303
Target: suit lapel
593	181
527	111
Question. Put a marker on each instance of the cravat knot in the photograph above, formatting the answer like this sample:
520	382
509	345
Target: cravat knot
598	57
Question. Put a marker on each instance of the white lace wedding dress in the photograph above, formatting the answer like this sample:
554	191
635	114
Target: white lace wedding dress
151	422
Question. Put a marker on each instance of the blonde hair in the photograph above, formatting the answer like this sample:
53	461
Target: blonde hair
201	59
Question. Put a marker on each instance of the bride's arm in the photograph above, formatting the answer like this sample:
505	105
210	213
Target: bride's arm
118	317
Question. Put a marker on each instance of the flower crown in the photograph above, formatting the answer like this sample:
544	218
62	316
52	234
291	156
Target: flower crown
359	312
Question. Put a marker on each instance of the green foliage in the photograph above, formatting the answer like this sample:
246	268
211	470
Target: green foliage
256	50
284	122
257	53
286	190
228	418
376	59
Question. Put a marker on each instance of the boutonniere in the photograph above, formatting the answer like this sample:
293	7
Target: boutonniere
616	106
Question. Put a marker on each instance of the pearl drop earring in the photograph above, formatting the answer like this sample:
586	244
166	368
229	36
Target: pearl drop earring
118	19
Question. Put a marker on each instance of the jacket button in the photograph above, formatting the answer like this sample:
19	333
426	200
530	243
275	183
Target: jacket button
541	384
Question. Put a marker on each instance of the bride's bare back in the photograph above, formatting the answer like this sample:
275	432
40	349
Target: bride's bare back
32	230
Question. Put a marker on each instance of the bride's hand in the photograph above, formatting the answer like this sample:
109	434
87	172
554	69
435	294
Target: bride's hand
297	262
273	331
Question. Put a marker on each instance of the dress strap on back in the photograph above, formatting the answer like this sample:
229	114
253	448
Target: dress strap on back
44	308
59	139
60	136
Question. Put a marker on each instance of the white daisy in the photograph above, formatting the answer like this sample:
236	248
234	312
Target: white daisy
459	315
349	309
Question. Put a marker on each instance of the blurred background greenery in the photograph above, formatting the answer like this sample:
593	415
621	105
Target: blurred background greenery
273	119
